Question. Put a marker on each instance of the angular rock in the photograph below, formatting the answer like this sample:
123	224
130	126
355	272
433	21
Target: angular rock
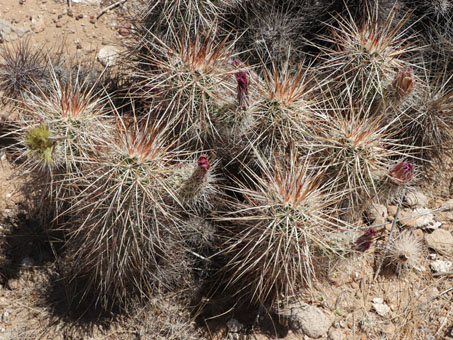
406	221
388	328
380	307
38	24
377	213
392	210
416	199
336	334
418	234
311	320
425	221
440	240
449	204
8	32
87	2
440	266
234	326
108	56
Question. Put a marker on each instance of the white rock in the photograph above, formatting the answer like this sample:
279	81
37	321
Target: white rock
420	268
380	307
311	320
108	55
234	326
416	199
5	316
378	300
440	266
426	221
38	24
377	213
336	334
87	2
449	204
10	33
440	240
388	328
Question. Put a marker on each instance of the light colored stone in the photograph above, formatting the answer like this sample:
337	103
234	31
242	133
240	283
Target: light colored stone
87	2
444	216
37	23
336	334
5	317
108	55
449	204
406	221
425	221
418	234
440	240
311	320
234	326
391	209
10	32
380	307
448	227
440	266
378	300
388	328
432	292
416	199
377	213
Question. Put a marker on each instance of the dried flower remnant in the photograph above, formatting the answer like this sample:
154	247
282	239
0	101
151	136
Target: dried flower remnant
38	140
364	242
402	173
404	82
405	252
242	87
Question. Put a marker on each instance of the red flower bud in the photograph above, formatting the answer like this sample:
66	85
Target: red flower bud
402	172
243	85
364	242
203	162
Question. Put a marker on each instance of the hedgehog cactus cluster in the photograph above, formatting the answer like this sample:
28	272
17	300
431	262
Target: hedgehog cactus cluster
204	170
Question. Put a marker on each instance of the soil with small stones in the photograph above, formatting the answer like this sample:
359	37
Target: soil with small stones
30	295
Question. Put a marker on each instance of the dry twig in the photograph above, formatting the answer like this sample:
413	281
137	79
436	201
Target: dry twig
108	8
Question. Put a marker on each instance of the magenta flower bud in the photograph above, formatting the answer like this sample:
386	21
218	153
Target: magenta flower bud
198	176
203	162
364	242
242	85
402	173
404	82
193	184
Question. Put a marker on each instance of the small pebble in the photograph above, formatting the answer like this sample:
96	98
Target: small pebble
125	30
